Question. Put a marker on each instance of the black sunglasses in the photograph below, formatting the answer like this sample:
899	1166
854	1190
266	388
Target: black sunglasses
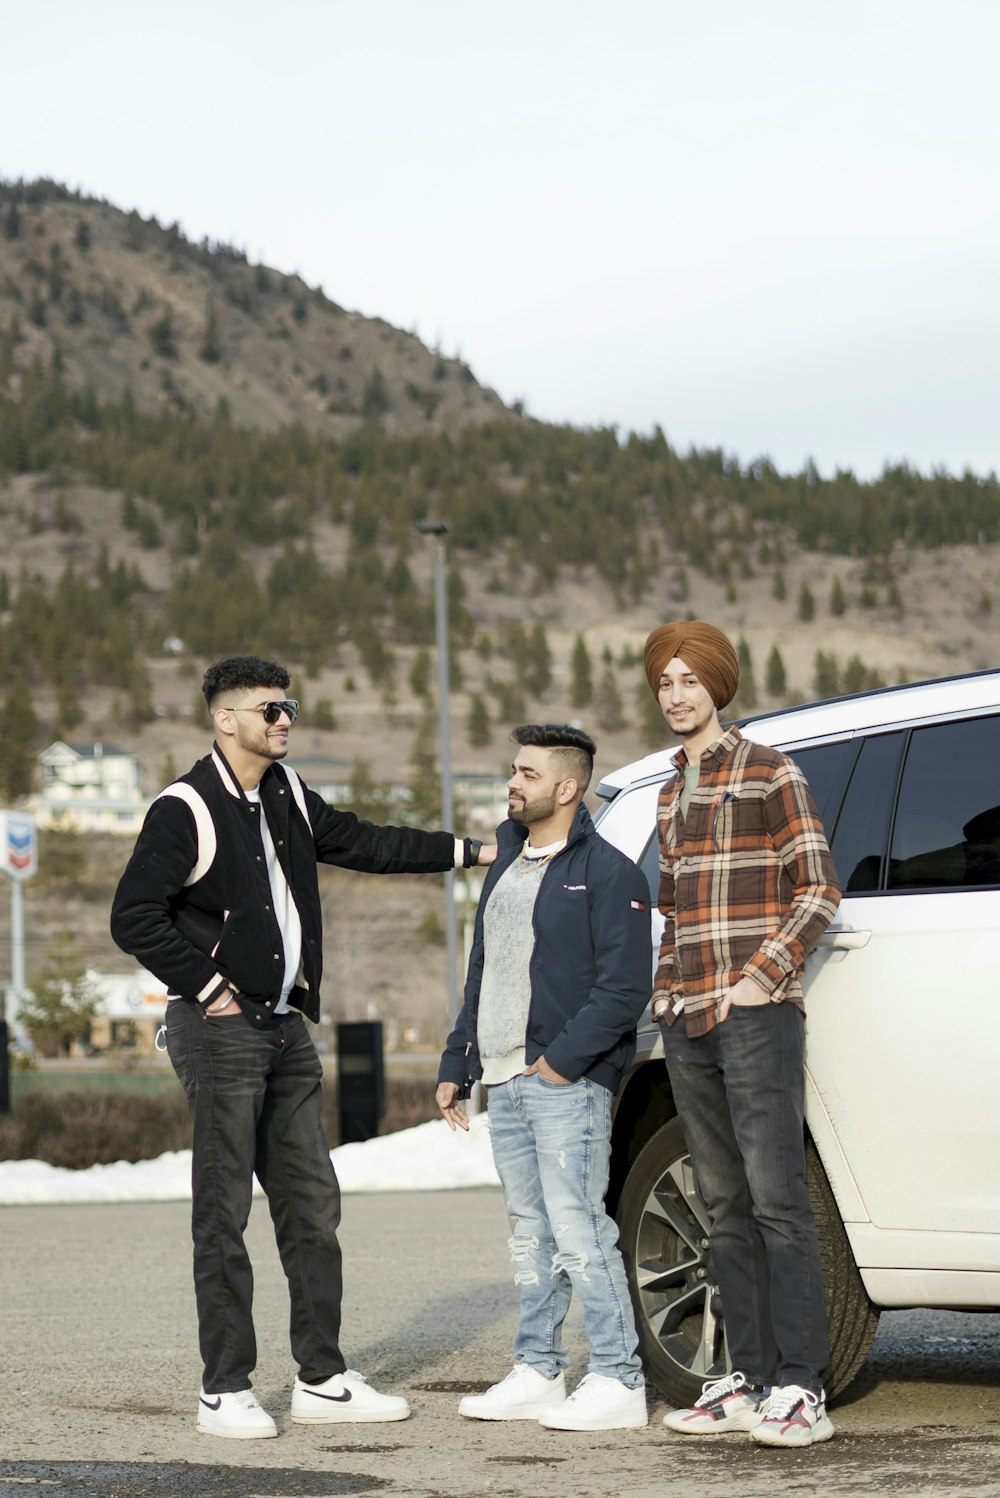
272	711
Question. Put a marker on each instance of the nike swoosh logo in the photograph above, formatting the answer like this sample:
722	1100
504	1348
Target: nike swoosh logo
209	1405
334	1398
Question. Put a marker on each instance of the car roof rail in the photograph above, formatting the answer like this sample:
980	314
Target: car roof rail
608	790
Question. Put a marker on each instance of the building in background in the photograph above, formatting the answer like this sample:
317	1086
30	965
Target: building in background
89	788
130	1008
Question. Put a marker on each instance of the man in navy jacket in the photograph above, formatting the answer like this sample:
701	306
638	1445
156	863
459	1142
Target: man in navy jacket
559	975
220	900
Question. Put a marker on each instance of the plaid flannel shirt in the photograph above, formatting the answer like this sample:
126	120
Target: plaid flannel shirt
747	884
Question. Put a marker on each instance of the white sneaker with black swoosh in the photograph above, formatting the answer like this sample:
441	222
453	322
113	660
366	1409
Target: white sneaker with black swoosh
342	1398
237	1416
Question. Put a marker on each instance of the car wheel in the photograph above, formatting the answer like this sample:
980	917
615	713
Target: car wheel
664	1237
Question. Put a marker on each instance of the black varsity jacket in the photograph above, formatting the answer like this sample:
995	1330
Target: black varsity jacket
194	903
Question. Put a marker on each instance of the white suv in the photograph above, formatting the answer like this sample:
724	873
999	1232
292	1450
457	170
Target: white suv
902	1039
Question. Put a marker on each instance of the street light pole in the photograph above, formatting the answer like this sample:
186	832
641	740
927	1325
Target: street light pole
439	529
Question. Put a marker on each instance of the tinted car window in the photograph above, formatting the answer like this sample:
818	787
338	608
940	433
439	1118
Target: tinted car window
861	829
946	833
827	767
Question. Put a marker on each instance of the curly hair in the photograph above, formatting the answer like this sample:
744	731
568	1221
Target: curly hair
240	673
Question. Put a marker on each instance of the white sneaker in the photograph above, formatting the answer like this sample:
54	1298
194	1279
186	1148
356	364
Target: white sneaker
237	1416
793	1416
342	1398
599	1403
522	1395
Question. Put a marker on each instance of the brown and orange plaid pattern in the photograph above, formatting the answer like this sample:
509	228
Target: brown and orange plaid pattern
747	884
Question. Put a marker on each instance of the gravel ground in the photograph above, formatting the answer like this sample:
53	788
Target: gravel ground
101	1377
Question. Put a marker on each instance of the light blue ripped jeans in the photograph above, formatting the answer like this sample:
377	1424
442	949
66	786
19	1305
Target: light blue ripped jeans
552	1147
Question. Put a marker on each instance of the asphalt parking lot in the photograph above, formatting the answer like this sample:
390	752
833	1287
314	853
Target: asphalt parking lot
101	1377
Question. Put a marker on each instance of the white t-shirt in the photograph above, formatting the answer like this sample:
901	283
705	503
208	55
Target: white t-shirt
285	910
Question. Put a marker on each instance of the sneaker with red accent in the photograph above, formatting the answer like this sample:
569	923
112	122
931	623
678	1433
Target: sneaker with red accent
724	1405
793	1416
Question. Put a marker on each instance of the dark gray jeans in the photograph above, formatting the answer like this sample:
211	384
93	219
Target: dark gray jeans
739	1091
255	1097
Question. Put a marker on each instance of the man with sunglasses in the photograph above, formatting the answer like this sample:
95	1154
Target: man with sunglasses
220	900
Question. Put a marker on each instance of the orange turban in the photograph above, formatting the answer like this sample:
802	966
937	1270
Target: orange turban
702	647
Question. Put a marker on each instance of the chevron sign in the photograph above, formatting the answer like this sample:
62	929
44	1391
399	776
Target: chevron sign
18	845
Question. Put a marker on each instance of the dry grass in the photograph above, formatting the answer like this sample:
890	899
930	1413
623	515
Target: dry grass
81	1127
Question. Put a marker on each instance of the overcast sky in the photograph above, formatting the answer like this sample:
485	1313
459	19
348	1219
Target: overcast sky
767	225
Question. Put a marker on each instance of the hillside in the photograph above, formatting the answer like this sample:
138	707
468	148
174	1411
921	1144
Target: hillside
943	616
133	304
160	508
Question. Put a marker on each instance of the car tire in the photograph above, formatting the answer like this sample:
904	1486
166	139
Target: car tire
663	1228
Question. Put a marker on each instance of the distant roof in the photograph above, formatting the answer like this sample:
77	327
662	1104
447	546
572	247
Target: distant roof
306	762
59	749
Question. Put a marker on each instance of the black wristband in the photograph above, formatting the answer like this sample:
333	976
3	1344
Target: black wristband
470	855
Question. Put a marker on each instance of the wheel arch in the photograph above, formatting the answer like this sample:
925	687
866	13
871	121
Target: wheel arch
644	1104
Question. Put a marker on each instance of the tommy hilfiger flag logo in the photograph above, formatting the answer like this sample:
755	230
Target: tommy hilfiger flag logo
638	904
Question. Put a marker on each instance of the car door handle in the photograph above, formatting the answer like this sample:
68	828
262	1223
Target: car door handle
843	940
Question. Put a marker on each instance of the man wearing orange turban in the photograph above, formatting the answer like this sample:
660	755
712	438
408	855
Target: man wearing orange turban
704	648
747	888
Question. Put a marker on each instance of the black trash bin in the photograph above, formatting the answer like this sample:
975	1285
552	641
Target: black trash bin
4	1065
360	1079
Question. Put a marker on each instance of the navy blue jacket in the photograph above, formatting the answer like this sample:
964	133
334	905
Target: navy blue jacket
591	969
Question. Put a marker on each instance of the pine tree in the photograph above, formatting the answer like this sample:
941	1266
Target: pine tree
508	698
747	695
168	767
477	723
375	400
581	688
161	335
367	797
855	675
377	659
140	699
69	714
777	678
17	750
826	675
74	308
807	603
425	780
838	599
211	350
537	673
608	708
650	721
61	1003
420	674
